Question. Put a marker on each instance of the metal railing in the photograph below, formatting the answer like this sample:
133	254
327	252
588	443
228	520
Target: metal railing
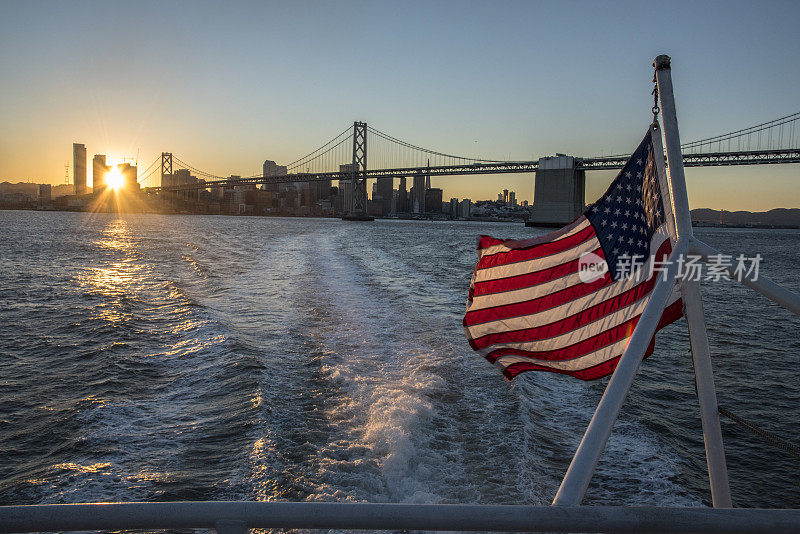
237	517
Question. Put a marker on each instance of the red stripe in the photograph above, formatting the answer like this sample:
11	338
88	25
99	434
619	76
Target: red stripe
528	307
529	279
486	241
535	251
579	319
672	313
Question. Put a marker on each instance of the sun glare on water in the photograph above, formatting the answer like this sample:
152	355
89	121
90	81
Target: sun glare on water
114	179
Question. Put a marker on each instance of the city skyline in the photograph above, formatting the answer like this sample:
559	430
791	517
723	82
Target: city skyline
468	79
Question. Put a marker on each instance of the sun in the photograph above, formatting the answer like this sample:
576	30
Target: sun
114	178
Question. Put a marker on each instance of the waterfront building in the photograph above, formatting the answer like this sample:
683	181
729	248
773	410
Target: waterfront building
270	168
99	171
79	168
453	208
345	188
45	194
433	200
384	188
129	177
184	177
465	208
418	194
402	197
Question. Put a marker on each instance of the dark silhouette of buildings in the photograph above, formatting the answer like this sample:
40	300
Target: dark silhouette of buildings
79	168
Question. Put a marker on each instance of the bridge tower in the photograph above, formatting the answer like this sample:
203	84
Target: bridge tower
358	179
166	168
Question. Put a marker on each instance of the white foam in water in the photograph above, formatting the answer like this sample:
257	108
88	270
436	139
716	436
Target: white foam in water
382	413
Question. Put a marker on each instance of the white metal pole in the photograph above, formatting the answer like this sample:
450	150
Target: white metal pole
762	284
692	300
581	469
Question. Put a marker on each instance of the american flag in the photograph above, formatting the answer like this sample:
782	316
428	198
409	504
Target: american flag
533	305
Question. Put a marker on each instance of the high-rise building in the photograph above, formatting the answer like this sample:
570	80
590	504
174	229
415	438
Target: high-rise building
465	208
270	168
418	194
453	208
129	174
402	197
184	177
512	198
346	187
433	200
99	171
384	189
505	196
79	168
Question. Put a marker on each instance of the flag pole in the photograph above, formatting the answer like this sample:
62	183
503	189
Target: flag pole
690	292
576	480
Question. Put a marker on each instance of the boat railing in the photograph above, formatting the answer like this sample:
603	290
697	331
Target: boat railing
238	517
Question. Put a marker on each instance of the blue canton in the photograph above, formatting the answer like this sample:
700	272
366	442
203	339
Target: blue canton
628	214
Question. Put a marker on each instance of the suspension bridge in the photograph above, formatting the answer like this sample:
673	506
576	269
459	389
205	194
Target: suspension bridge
559	180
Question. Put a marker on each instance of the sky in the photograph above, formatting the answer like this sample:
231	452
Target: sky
226	85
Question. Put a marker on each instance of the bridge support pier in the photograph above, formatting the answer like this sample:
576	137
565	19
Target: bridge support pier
559	193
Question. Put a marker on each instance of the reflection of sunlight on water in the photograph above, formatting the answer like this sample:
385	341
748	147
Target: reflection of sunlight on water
100	467
113	278
116	235
265	488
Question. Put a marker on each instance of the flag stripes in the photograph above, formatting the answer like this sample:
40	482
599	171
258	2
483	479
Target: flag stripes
531	305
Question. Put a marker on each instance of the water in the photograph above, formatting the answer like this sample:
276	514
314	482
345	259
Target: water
184	357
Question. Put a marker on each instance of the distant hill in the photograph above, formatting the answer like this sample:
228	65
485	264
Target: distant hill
776	217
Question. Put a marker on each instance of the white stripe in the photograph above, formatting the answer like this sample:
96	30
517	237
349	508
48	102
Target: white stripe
578	364
549	315
526	293
575	364
513	245
537	264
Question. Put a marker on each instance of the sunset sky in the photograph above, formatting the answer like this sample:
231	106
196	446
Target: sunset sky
227	85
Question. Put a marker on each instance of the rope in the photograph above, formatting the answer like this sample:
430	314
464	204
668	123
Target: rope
768	437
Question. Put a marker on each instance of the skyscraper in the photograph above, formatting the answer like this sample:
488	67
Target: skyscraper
99	170
384	189
270	168
418	196
79	168
129	176
402	197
